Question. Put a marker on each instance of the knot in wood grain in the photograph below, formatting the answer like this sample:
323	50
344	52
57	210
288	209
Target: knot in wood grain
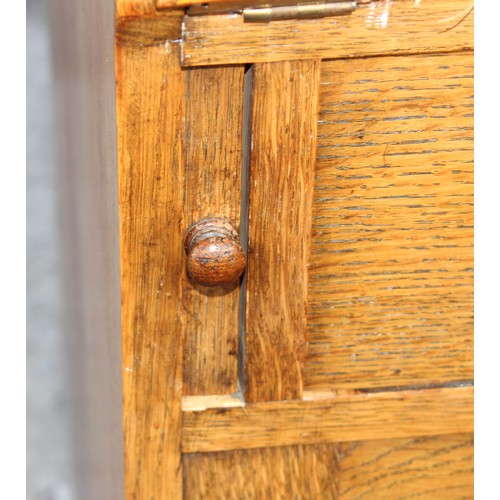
214	253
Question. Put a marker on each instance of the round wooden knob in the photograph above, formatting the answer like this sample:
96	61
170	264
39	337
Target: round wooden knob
214	253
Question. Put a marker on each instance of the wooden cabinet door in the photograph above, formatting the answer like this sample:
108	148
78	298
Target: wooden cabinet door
341	148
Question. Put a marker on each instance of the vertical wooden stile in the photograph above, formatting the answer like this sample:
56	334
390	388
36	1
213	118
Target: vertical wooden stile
285	101
212	188
150	91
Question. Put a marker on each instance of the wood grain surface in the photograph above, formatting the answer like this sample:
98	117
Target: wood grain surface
390	273
84	95
354	417
423	467
391	269
376	28
149	31
440	467
279	473
280	207
150	91
212	188
134	8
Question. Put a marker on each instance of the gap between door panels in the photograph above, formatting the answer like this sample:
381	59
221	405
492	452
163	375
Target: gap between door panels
245	192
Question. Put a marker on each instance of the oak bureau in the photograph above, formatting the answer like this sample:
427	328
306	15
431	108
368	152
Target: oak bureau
269	246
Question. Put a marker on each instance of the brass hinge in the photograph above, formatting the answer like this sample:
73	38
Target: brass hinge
298	11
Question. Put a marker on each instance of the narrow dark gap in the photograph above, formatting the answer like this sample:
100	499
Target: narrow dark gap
416	387
246	145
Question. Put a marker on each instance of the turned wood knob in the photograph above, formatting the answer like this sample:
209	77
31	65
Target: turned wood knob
214	253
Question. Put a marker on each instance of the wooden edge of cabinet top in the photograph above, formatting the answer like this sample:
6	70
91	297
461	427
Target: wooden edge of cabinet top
138	8
148	8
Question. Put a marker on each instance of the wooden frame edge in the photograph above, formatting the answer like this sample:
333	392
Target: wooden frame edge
349	417
403	27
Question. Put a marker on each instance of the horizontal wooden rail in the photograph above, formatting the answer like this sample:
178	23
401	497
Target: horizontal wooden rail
353	417
404	27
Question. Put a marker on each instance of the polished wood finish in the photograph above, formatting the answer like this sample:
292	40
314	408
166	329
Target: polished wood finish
84	88
378	28
214	253
150	90
285	100
350	417
212	188
437	467
423	467
306	472
370	266
391	269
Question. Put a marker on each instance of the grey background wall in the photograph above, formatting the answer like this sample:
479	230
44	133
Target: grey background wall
49	452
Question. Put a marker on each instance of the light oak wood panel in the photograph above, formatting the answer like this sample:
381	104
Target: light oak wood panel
212	188
84	92
423	467
281	174
353	417
391	269
150	91
372	29
277	473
